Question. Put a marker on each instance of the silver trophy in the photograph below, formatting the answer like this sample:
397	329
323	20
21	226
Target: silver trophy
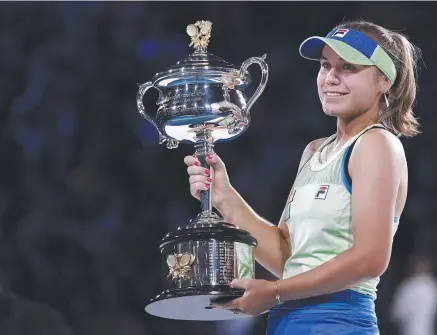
202	100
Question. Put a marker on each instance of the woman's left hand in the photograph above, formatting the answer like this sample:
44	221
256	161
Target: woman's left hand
259	296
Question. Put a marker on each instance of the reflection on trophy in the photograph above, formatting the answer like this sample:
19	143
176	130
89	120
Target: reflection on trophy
202	100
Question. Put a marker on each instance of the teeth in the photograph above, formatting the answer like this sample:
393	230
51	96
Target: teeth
331	94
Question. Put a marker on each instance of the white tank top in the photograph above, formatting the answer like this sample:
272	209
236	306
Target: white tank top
318	214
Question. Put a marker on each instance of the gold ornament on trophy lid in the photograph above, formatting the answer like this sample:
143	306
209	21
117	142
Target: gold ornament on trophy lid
200	33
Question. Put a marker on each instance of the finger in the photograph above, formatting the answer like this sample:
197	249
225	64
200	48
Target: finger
198	170
190	160
216	162
199	179
242	283
233	304
197	187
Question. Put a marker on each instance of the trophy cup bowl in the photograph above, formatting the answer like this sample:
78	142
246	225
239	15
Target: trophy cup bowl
202	100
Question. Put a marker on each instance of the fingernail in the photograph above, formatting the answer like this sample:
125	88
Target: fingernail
196	163
230	284
209	156
207	171
209	179
207	185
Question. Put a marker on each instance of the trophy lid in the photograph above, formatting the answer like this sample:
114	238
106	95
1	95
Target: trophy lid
201	66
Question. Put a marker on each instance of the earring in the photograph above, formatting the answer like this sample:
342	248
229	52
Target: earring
386	100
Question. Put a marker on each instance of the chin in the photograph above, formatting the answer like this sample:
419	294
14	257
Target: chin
330	111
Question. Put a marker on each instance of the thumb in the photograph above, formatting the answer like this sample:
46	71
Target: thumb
242	283
216	162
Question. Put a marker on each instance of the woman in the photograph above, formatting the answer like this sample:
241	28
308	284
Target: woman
333	242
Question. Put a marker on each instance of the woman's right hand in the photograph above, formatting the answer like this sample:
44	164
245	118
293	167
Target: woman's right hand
201	179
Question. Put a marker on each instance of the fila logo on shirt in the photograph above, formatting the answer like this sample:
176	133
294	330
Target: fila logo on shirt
340	32
322	192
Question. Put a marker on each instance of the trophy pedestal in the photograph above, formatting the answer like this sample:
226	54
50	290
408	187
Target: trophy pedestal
194	304
198	264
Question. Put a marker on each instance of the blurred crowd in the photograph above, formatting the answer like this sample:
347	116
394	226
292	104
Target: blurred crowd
86	192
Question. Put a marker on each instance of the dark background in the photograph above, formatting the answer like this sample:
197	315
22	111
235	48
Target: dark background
86	192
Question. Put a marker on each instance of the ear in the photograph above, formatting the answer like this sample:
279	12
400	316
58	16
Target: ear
384	84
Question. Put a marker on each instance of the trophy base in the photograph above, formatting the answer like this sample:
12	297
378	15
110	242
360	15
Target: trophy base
195	304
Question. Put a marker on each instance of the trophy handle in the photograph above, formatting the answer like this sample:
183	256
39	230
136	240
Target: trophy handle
171	142
264	77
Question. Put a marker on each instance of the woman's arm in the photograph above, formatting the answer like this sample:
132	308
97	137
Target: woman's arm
270	239
377	166
273	241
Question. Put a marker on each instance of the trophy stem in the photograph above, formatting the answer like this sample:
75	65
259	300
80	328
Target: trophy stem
204	147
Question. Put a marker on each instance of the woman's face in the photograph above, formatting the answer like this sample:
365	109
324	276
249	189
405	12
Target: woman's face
347	90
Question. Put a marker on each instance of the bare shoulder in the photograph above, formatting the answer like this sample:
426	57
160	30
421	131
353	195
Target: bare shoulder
310	149
379	154
380	142
314	145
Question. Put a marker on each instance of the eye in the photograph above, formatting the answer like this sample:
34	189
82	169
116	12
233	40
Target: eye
325	65
348	67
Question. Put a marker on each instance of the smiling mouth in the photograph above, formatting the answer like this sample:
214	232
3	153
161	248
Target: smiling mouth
334	94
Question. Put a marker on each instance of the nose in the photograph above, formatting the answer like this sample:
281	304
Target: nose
332	77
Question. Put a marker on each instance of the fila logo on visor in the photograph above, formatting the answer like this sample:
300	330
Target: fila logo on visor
322	192
340	32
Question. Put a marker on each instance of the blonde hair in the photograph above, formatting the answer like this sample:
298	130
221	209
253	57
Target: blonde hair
398	117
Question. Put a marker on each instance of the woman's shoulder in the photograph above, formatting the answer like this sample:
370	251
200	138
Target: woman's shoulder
313	146
379	145
381	138
310	149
